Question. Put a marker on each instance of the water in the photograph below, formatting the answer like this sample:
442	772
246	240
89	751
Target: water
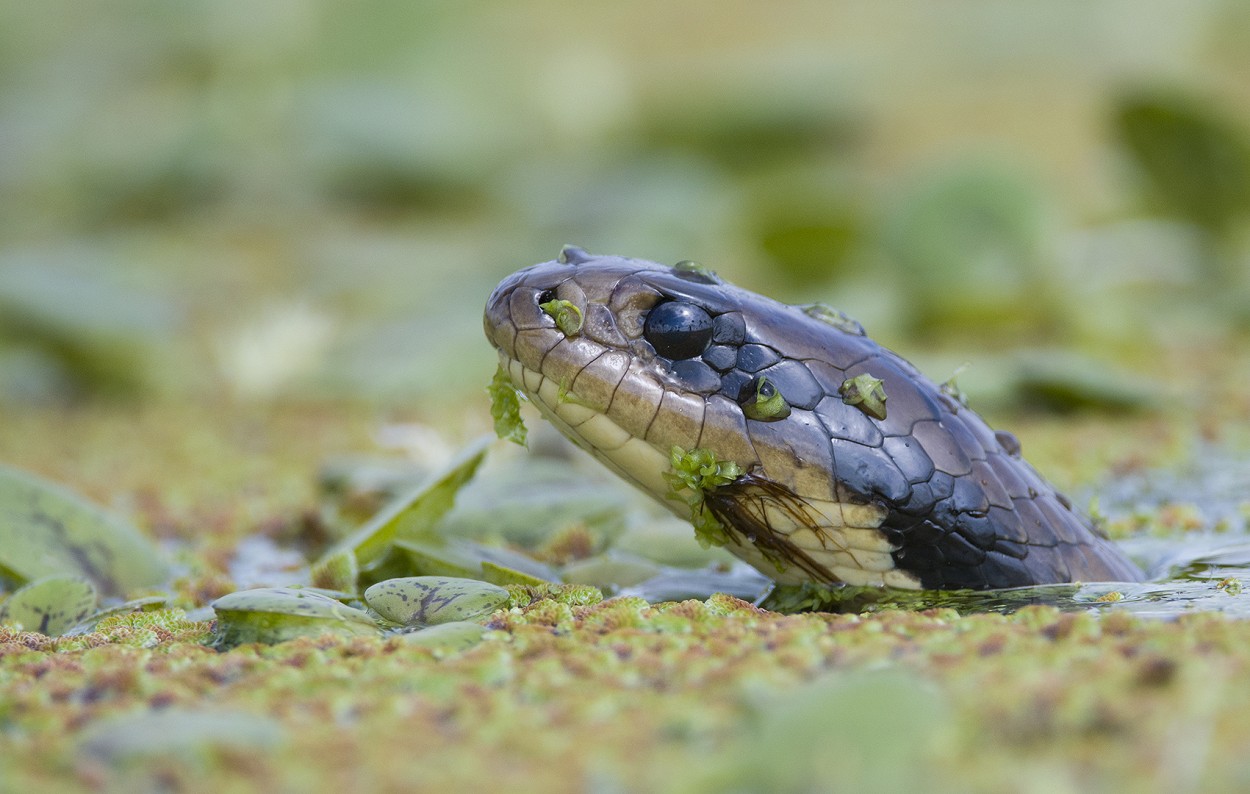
1190	530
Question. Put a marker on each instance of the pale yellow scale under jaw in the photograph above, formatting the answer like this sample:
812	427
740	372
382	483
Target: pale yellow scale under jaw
847	543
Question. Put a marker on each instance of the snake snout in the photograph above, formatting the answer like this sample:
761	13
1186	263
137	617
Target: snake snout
530	307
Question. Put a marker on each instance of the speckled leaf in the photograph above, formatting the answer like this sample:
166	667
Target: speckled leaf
47	531
429	600
414	514
50	606
447	637
275	614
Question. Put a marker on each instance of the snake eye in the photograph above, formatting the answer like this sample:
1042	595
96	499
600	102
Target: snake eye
761	400
678	330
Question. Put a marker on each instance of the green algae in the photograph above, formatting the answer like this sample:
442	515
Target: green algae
698	271
835	317
702	692
692	475
863	730
865	393
767	404
567	316
505	407
190	735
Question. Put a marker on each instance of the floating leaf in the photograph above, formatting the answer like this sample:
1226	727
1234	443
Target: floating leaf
1066	382
429	600
1196	161
973	248
610	572
527	502
738	580
96	333
47	531
276	614
447	637
891	723
50	606
337	571
411	516
495	573
178	731
463	558
667	540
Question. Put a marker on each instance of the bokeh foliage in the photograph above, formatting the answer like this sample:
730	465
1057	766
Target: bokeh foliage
297	200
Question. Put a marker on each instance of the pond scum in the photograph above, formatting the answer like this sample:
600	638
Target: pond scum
532	685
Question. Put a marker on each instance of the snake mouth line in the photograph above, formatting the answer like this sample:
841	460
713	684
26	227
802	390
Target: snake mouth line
628	456
794	540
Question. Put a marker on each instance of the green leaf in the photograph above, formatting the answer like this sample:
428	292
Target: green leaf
447	637
463	558
275	614
50	606
496	573
336	571
413	515
610	572
430	600
180	732
1196	162
47	531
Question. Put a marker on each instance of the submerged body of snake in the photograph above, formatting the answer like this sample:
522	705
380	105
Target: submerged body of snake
839	461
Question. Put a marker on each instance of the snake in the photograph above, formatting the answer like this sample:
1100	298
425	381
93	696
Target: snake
784	432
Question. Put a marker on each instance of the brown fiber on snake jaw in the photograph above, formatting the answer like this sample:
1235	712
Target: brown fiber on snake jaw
742	508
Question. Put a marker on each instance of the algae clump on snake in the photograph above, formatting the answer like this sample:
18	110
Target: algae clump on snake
782	432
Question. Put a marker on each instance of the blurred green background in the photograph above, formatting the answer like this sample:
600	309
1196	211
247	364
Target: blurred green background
313	199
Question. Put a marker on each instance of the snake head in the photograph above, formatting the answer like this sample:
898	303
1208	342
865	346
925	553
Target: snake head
630	359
